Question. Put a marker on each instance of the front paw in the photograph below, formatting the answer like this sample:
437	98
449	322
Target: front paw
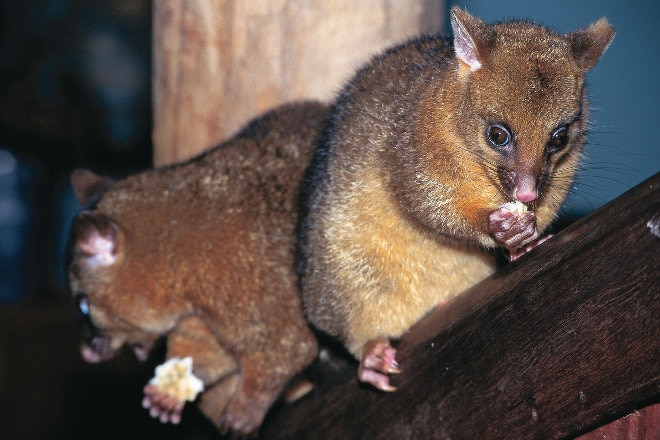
512	225
514	254
378	363
162	406
166	394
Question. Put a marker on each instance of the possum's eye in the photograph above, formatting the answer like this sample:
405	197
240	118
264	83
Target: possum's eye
81	301
558	140
498	135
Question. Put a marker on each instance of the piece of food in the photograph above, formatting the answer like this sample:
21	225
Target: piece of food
175	378
517	207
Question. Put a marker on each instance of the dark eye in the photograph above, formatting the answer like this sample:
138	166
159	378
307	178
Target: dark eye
558	140
82	306
498	135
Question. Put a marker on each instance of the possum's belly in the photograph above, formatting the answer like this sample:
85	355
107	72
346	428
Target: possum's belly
457	270
439	277
405	284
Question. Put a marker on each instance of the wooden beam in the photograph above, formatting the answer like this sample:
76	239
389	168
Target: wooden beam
219	63
553	345
643	424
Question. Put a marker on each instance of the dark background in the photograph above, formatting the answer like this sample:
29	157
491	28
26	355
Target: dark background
74	92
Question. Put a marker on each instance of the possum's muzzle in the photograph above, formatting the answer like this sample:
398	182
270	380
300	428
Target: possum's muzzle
97	347
97	350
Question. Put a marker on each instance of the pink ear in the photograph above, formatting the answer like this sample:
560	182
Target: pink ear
468	32
96	237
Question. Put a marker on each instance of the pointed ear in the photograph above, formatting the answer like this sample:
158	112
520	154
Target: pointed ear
88	187
96	237
471	38
589	44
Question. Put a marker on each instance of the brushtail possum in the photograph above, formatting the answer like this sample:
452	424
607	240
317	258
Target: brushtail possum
437	150
203	254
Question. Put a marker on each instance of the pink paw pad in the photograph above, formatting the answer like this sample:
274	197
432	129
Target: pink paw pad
161	406
378	363
512	226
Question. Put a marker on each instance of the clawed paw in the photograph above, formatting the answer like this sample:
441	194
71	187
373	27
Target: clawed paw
514	254
378	363
512	225
162	406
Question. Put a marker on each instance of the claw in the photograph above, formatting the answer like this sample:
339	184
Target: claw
514	254
512	227
378	363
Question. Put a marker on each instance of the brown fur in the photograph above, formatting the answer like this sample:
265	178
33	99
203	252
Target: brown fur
404	182
203	254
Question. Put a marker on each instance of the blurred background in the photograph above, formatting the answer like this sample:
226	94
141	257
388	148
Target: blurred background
75	91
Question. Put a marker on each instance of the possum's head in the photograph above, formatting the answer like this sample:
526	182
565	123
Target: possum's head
517	111
115	298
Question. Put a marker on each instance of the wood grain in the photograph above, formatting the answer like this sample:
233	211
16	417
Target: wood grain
563	340
219	63
643	424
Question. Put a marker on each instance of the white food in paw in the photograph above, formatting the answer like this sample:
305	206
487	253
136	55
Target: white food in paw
517	207
175	378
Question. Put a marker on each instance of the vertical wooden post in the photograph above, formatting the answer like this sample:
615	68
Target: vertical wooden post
218	63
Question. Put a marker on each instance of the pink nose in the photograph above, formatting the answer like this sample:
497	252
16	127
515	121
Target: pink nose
525	188
524	195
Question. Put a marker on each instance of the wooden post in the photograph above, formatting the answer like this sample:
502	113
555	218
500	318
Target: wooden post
557	343
219	63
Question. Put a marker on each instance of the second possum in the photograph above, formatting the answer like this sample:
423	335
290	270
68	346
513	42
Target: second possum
437	149
202	253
